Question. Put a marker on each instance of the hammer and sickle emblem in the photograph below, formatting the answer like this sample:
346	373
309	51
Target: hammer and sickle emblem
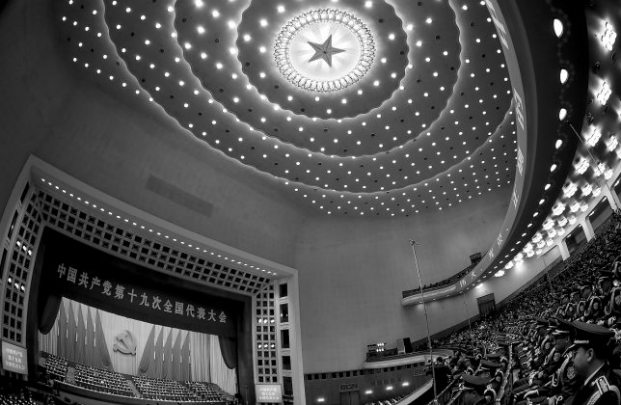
125	343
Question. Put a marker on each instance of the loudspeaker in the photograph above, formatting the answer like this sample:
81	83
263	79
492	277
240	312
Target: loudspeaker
408	345
475	258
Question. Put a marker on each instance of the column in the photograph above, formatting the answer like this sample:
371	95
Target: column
562	246
613	198
587	227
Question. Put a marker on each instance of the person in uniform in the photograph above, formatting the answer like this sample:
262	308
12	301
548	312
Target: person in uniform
591	348
472	389
558	381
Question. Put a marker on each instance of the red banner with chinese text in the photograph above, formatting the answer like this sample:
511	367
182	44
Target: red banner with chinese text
86	274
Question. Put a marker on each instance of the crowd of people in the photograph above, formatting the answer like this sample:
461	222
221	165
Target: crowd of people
559	342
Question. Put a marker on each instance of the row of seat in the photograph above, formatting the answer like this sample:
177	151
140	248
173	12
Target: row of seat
583	298
56	367
150	388
102	380
207	391
153	388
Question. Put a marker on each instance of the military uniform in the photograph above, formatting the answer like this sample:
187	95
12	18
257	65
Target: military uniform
472	389
602	386
601	389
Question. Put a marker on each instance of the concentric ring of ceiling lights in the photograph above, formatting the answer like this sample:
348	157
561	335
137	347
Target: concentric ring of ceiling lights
306	56
430	124
328	91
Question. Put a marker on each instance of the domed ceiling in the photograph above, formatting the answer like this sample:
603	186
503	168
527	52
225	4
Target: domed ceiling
355	107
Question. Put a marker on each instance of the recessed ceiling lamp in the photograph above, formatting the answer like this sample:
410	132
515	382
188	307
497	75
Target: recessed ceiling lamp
548	224
586	189
558	27
309	59
569	189
608	36
562	221
611	144
582	165
575	206
563	76
604	93
558	208
562	114
594	137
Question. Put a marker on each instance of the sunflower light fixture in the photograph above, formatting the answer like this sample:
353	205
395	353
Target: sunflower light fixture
324	50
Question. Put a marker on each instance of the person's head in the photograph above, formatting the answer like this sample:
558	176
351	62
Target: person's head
591	347
562	335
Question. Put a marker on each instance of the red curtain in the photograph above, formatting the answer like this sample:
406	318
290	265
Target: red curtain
228	347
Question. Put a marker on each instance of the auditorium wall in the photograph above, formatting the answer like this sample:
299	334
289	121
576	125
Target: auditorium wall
352	274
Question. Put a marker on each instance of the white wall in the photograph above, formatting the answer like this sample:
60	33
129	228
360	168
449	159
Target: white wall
352	274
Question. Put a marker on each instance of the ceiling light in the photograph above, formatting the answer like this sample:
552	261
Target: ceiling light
574	207
611	143
562	114
586	189
569	189
608	36
295	67
592	138
581	165
558	208
564	75
604	93
558	27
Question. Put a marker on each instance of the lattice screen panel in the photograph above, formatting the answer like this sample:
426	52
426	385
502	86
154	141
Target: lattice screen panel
266	350
101	232
21	240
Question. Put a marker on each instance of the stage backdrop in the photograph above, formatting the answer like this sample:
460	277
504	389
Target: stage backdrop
90	336
85	274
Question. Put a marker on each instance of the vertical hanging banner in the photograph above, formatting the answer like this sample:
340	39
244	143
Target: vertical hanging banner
85	274
268	393
14	358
